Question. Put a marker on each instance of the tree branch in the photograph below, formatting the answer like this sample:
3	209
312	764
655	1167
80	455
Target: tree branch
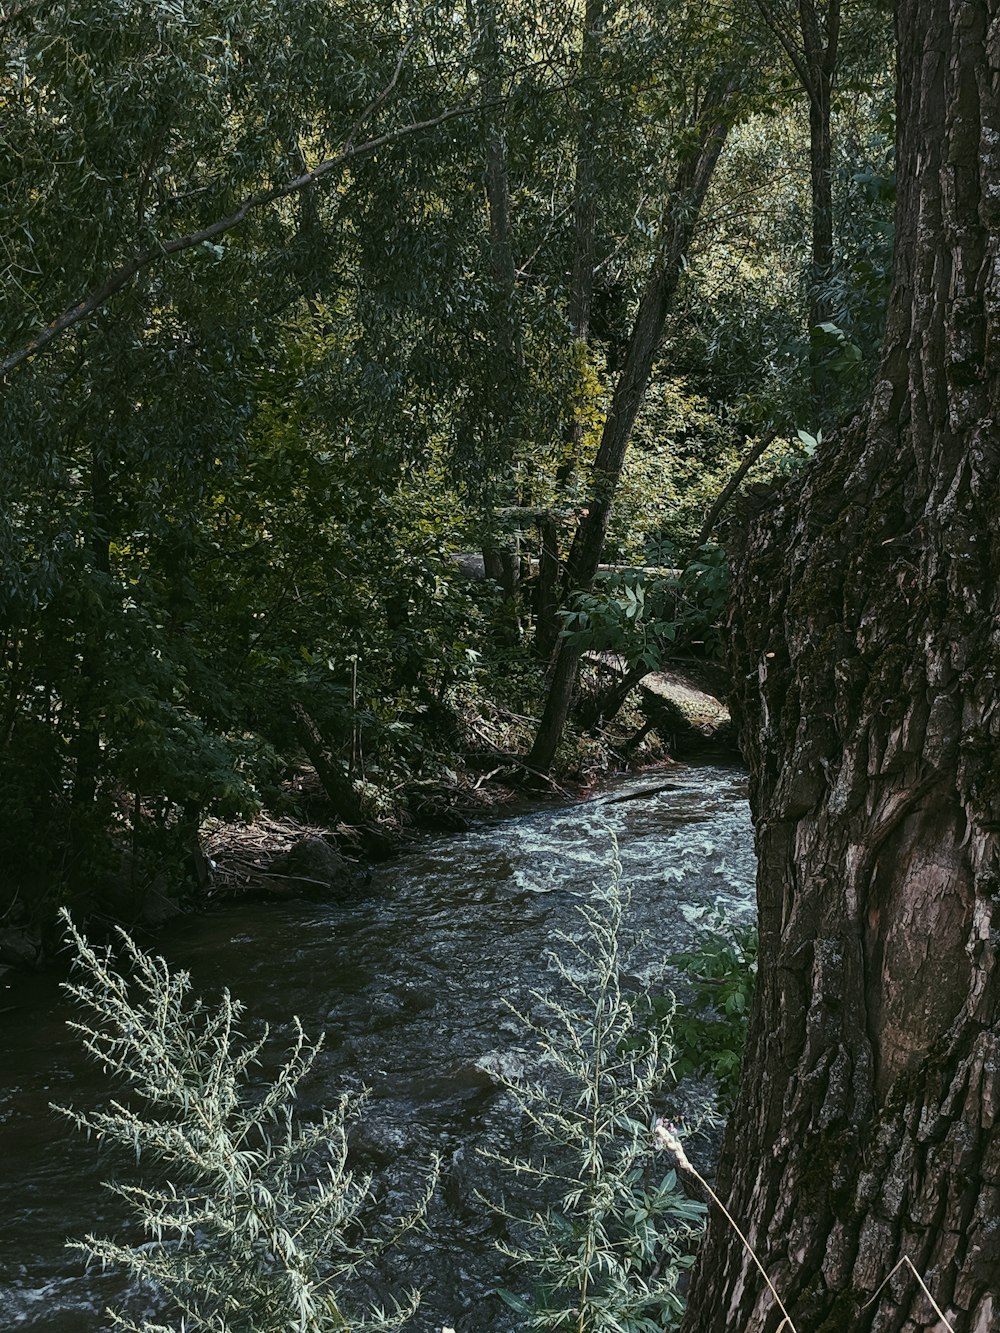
796	56
122	276
731	486
377	101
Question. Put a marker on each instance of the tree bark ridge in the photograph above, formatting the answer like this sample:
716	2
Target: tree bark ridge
867	657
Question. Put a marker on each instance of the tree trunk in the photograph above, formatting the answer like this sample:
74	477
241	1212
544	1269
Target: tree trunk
865	660
606	707
84	825
546	601
581	300
502	562
812	54
335	781
498	195
502	565
821	189
585	553
820	47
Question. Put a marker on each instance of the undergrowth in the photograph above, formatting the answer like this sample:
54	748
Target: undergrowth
258	1225
609	1252
710	1029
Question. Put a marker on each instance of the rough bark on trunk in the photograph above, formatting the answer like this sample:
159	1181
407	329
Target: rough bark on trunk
866	660
501	564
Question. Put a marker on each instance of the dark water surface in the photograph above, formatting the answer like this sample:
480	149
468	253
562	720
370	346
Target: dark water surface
408	979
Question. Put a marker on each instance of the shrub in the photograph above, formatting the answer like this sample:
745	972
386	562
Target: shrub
608	1255
258	1224
711	1030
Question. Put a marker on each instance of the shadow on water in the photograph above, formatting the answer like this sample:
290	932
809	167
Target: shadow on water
409	980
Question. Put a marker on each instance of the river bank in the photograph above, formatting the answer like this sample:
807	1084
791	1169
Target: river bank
670	719
303	846
409	974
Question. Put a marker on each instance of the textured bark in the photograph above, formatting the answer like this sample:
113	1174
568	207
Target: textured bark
866	655
502	564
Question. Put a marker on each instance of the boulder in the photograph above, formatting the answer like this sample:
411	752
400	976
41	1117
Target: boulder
19	948
312	864
676	705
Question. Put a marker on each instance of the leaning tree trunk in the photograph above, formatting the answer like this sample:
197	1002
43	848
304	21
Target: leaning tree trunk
581	300
867	647
691	185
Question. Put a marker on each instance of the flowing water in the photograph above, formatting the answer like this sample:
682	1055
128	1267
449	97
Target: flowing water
409	979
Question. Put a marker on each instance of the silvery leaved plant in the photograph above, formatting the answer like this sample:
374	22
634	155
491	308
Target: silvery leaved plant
256	1223
606	1256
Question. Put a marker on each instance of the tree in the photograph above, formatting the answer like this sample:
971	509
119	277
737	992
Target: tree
711	117
187	188
813	56
582	189
586	189
826	48
865	654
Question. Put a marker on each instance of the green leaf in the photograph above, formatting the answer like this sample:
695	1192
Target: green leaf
516	1303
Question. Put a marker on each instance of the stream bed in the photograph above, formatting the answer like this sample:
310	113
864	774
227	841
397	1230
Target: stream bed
410	978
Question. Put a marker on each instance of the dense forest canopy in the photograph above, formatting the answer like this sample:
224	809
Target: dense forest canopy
301	300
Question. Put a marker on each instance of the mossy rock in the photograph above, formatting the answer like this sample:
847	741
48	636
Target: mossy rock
677	707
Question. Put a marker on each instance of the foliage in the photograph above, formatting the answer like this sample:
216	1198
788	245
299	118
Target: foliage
710	1029
234	483
645	615
608	1255
741	338
160	513
681	454
256	1224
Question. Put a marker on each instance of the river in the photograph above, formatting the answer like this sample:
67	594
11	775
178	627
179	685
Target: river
409	979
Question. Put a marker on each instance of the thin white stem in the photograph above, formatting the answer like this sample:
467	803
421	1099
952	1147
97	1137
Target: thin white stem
908	1263
666	1138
